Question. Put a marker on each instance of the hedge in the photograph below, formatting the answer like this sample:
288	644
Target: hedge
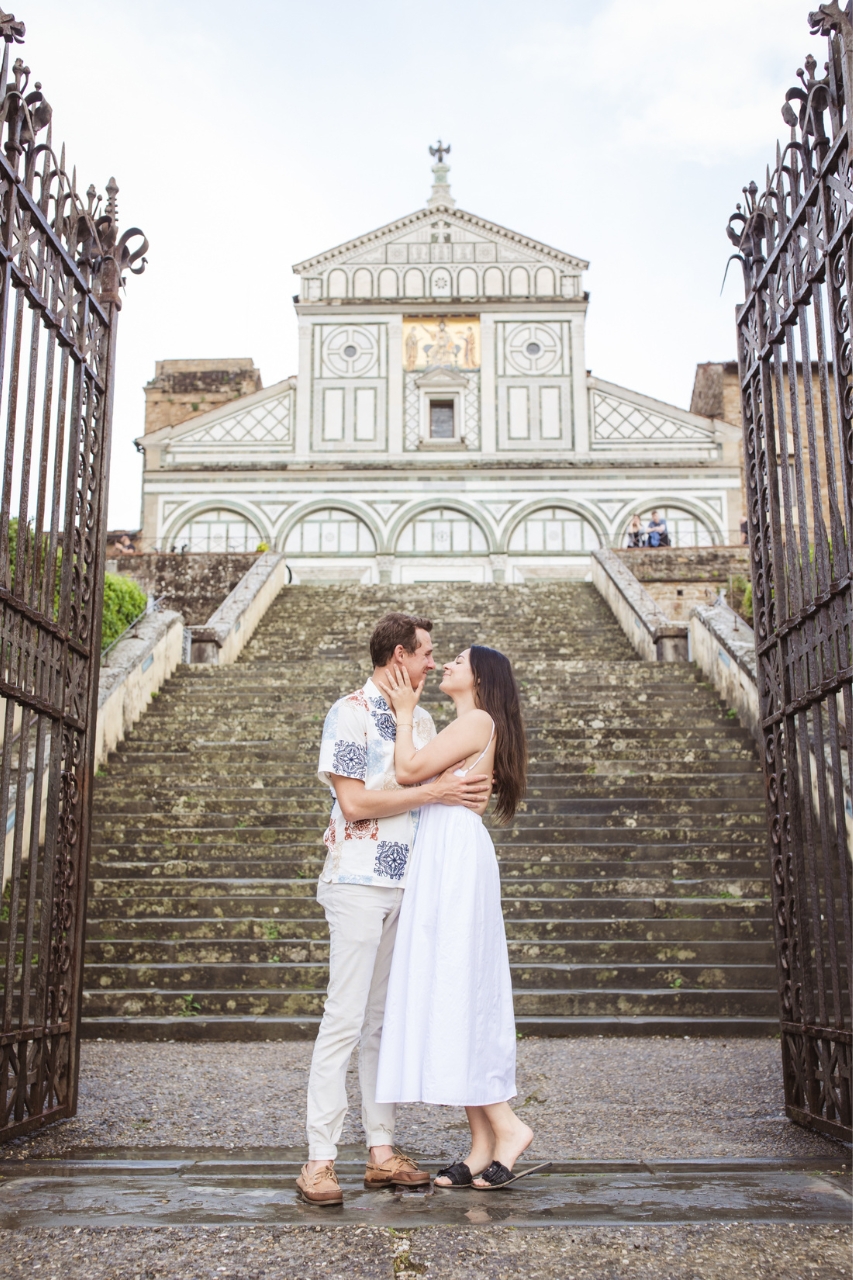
124	600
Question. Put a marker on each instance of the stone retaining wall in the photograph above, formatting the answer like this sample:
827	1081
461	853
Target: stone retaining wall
720	643
680	579
194	584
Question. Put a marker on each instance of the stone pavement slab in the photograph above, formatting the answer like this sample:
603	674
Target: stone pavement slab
174	1188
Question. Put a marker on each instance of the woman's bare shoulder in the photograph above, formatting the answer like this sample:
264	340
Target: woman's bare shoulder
476	716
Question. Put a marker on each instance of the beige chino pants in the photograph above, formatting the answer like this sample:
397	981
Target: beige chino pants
362	926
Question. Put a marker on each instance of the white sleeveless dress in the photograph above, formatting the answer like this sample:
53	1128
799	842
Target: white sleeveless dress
449	1031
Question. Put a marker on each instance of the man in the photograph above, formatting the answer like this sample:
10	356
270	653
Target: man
369	840
656	529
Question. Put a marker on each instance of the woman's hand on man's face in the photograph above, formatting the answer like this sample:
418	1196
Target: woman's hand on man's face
396	688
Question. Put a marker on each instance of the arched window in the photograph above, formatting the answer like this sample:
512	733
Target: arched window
413	284
217	530
493	284
468	287
684	528
442	532
387	283
329	533
337	284
519	282
362	284
441	283
545	285
553	531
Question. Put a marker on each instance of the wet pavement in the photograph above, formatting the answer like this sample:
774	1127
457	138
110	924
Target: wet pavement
202	1187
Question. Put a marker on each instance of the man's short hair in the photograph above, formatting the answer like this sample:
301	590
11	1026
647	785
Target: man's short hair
394	629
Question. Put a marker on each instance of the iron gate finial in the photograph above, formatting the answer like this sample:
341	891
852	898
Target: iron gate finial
11	29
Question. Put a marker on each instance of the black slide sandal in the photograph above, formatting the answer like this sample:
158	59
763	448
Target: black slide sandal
459	1174
499	1176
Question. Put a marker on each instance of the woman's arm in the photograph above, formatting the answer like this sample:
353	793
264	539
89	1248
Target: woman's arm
461	738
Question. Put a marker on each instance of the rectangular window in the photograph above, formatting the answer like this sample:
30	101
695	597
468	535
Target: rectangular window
333	413
519	425
441	420
365	413
549	413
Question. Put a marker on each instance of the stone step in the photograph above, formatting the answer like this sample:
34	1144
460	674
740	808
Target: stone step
557	1001
236	799
634	883
512	872
597	845
599	789
677	931
551	951
140	905
252	1027
290	976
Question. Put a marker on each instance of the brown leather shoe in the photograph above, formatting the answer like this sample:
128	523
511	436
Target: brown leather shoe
321	1186
399	1171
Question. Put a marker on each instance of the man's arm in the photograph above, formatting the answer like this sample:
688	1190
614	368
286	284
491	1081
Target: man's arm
357	803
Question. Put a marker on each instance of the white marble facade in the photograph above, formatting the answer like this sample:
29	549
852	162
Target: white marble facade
442	425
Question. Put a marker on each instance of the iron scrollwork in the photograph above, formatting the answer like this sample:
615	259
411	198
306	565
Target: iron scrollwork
63	264
794	241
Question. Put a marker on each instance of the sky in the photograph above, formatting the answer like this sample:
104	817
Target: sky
247	137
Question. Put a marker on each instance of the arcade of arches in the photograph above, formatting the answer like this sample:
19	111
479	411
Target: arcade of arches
315	541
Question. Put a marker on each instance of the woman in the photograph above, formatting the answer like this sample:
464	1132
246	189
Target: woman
636	533
449	1032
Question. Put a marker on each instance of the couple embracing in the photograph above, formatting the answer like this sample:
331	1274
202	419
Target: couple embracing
419	971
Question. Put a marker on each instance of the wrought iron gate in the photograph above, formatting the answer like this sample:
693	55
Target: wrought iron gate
795	360
61	264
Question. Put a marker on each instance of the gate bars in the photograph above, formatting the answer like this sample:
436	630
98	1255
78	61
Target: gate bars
61	264
795	362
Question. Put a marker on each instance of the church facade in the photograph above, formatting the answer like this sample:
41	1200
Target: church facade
442	424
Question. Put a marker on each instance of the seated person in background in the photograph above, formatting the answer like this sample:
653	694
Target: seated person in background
656	529
124	546
636	535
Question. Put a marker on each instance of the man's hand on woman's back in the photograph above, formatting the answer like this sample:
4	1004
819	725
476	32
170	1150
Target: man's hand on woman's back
472	792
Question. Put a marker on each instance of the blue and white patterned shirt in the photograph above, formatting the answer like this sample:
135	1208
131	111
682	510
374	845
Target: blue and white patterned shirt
358	742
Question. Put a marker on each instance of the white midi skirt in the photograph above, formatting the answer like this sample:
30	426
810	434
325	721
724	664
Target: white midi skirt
449	1030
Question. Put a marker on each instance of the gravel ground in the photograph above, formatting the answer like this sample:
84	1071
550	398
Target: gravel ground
729	1252
591	1099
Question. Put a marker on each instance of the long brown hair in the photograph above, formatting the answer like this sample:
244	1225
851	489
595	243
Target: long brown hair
496	691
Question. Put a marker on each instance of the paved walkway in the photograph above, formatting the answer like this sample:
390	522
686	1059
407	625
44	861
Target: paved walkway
671	1159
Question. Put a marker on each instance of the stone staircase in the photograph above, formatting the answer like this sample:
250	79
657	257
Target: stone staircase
634	876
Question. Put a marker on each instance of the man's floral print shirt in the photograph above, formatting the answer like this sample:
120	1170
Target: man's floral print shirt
358	742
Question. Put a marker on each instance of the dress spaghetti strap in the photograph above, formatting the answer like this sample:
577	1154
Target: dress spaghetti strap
465	772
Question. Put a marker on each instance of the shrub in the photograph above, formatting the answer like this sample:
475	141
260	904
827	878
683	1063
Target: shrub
124	600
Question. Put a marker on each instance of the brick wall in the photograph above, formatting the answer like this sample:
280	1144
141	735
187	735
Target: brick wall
183	389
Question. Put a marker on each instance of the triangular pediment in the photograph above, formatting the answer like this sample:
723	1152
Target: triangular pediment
442	377
466	236
264	418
